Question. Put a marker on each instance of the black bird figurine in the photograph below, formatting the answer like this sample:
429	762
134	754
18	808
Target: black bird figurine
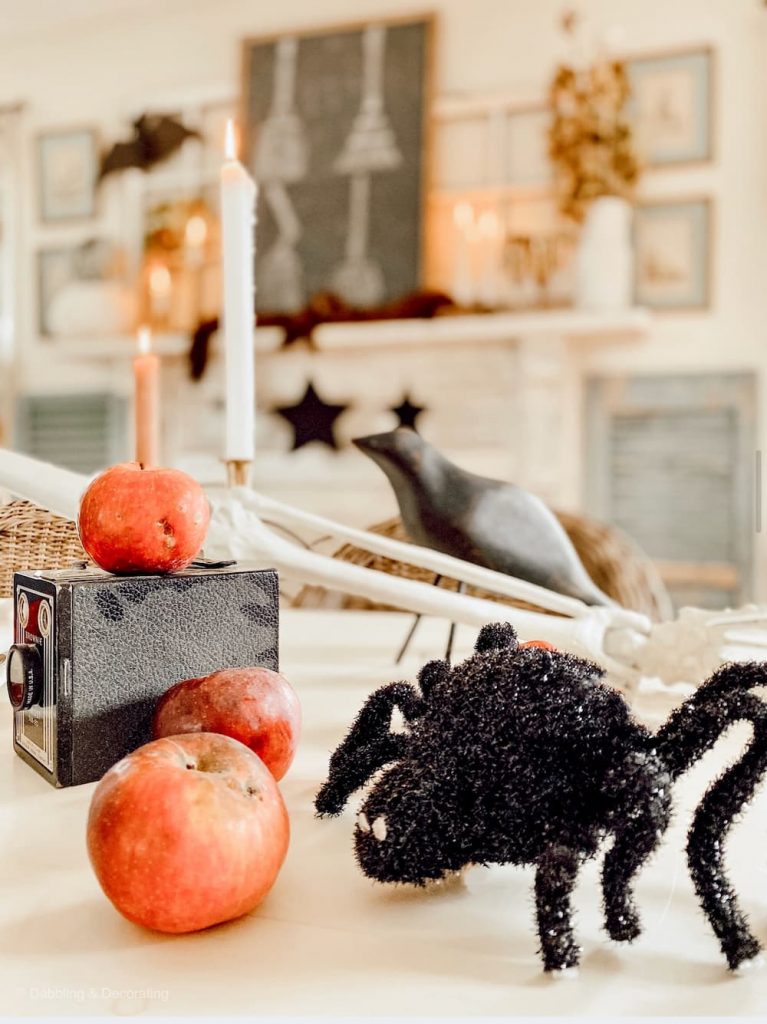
488	522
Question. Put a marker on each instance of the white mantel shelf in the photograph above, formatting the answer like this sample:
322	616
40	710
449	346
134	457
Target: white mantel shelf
477	329
481	328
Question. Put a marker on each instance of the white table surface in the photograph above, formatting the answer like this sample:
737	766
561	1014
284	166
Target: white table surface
328	941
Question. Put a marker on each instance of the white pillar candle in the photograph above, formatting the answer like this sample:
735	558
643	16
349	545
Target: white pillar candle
238	199
463	287
491	250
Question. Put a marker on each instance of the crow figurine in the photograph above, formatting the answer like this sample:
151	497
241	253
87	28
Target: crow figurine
488	522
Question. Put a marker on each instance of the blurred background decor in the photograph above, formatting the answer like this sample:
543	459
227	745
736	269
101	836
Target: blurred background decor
533	260
82	293
155	138
335	134
690	438
671	105
673	254
67	168
618	415
181	280
596	172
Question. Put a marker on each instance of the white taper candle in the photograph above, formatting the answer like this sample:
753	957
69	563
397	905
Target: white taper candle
238	200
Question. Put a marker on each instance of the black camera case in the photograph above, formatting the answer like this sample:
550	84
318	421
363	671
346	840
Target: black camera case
94	652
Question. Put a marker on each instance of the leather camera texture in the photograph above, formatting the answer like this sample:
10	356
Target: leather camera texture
134	637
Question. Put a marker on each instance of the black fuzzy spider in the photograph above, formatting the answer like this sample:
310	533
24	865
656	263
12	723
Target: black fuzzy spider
522	755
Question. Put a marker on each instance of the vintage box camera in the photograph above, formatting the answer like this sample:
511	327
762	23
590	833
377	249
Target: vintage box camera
94	652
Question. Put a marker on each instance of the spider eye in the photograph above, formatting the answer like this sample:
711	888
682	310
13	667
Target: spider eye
362	822
379	828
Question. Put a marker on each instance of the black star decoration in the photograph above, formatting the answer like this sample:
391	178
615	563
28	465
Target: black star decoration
312	419
407	412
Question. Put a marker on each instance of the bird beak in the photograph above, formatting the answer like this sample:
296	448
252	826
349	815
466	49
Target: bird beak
384	443
371	443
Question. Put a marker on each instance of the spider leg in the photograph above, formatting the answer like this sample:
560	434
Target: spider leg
712	821
556	873
355	769
691	730
698	723
642	815
369	744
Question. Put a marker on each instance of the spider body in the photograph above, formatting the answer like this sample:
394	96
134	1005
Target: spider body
525	756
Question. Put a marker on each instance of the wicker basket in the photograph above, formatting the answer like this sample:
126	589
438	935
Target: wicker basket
33	538
615	563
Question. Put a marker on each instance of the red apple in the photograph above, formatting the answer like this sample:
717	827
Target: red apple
135	519
256	706
187	832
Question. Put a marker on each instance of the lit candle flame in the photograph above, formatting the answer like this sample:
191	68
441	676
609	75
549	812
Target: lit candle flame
463	216
489	224
230	145
159	280
144	340
196	231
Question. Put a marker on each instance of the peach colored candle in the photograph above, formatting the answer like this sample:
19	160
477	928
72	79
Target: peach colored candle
146	373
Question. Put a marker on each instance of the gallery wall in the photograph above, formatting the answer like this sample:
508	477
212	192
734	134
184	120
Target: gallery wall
75	75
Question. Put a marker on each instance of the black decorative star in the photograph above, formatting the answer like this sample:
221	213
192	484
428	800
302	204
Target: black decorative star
407	413
312	419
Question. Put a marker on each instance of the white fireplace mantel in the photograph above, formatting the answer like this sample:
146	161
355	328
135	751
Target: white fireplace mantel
504	394
475	329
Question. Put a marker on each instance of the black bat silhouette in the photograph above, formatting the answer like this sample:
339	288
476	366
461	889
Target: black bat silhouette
155	138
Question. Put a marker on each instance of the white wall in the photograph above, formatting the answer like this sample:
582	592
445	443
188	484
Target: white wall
111	64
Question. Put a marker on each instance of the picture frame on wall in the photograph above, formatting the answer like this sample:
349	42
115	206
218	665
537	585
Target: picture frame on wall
672	100
673	254
67	173
56	268
87	263
336	132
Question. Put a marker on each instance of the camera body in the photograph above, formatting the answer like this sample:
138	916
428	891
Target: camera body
93	652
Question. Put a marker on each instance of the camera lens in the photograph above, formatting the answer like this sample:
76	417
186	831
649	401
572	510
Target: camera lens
24	676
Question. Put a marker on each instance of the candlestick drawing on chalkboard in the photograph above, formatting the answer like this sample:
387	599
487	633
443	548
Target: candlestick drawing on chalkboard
371	146
280	271
282	151
282	159
322	109
358	279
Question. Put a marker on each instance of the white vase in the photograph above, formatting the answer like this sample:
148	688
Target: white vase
604	259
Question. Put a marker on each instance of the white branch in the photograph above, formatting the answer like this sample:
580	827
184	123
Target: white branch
435	561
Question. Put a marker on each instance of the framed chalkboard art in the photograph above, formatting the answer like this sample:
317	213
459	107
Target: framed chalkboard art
335	134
